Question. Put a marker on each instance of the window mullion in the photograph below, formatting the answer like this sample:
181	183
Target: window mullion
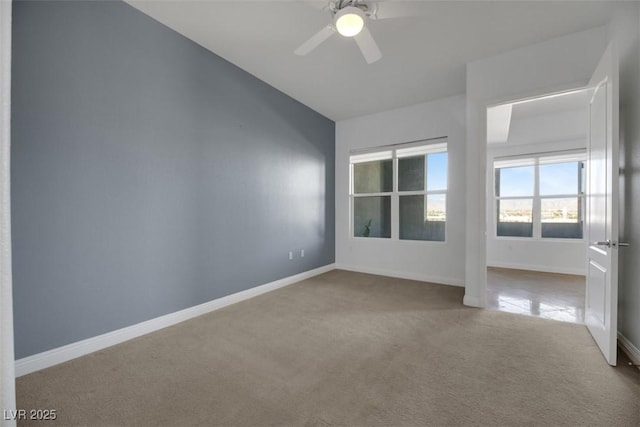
351	189
395	201
351	195
372	194
537	207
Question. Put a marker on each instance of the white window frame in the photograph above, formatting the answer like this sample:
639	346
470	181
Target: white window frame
536	160
394	153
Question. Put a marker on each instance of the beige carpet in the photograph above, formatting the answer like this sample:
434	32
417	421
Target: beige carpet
345	349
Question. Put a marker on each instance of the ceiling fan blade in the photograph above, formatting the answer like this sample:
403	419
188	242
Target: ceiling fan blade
315	40
368	46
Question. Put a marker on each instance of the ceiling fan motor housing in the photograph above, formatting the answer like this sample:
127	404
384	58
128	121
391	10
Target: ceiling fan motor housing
349	21
368	9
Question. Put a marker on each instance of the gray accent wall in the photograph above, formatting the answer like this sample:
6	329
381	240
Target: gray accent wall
150	175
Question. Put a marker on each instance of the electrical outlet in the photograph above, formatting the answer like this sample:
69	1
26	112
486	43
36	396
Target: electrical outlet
290	254
301	253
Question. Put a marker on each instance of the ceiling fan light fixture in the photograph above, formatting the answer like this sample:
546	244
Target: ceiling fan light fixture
349	21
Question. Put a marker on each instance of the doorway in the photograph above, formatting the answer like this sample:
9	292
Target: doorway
536	153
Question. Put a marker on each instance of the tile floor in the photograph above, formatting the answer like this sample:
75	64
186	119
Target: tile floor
548	295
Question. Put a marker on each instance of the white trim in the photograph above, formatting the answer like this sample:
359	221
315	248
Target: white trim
7	371
68	352
514	162
371	157
403	275
528	158
472	301
541	268
406	144
421	150
631	350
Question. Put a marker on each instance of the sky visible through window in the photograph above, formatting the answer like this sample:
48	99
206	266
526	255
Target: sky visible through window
437	171
516	181
555	179
559	178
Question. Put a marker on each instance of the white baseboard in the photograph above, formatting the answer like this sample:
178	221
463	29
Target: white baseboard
631	350
68	352
473	301
403	275
541	268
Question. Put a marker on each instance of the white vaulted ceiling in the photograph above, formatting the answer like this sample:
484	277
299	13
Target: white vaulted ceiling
424	55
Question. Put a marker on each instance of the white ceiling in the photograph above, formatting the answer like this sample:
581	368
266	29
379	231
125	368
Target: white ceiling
549	118
424	55
578	100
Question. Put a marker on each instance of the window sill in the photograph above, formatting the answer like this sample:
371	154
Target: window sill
389	239
539	239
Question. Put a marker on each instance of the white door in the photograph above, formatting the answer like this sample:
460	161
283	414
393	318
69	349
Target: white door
601	309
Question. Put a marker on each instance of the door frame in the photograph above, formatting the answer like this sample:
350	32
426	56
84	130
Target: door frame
481	302
7	356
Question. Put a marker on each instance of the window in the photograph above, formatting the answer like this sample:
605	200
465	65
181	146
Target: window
372	178
540	196
400	192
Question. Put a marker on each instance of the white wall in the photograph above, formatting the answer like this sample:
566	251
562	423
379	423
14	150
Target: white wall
565	130
558	64
624	30
548	128
441	262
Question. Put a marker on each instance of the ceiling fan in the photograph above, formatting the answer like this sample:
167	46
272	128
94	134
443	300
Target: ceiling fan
349	19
